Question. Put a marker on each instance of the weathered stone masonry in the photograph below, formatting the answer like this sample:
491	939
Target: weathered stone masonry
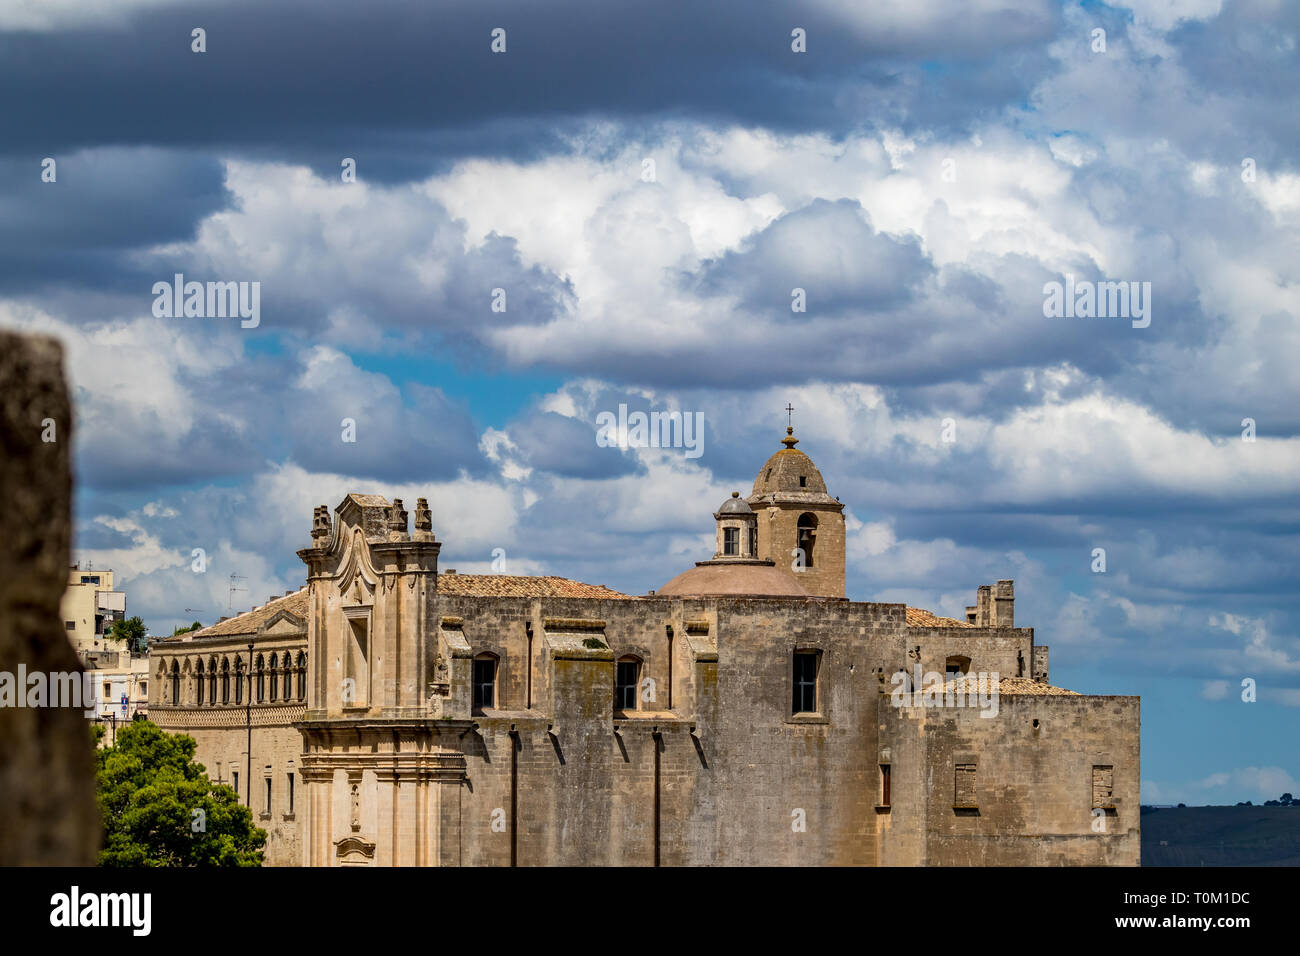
496	720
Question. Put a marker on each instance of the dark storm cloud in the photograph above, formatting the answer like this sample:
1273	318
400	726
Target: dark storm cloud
829	250
316	82
954	325
566	447
103	201
418	434
1249	53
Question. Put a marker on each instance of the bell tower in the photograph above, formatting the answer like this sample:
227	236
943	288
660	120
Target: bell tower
800	526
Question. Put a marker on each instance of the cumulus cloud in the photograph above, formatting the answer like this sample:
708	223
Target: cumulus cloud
646	220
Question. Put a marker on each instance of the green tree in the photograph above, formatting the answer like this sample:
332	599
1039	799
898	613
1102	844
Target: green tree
185	630
160	809
133	631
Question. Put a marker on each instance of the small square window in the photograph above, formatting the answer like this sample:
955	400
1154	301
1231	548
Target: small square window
69	625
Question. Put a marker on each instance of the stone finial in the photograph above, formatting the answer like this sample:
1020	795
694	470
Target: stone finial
423	516
397	517
320	523
789	441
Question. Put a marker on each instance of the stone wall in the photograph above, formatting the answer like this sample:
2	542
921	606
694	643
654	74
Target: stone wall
47	784
739	779
1033	782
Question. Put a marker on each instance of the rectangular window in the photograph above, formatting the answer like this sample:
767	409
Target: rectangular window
964	785
234	781
268	794
626	678
885	794
290	781
485	682
753	541
1103	786
805	682
731	541
358	662
108	689
69	625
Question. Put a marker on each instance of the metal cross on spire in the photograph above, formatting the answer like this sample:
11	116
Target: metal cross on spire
789	414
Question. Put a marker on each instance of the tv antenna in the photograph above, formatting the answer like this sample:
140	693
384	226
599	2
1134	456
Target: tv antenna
231	589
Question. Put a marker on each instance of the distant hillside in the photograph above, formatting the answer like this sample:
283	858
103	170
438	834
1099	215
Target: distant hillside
1221	836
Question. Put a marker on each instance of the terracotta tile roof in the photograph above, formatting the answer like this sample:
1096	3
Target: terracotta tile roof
1023	685
919	617
250	621
469	585
519	585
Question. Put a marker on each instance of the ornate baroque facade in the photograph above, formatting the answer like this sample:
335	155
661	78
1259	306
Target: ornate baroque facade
746	713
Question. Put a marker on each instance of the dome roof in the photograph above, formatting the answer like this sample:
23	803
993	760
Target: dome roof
789	470
735	505
752	579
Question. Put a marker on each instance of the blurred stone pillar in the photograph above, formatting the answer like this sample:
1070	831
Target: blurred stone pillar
47	776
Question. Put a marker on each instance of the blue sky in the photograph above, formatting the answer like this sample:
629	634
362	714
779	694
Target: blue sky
648	184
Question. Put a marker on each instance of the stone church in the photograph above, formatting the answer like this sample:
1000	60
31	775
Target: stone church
745	713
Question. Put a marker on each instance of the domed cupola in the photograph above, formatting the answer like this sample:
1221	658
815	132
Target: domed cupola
737	530
734	570
789	471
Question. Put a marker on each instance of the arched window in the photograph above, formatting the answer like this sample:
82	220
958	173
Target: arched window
485	681
302	676
198	682
225	680
176	682
239	680
261	678
275	676
212	681
627	675
807	537
956	664
288	676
